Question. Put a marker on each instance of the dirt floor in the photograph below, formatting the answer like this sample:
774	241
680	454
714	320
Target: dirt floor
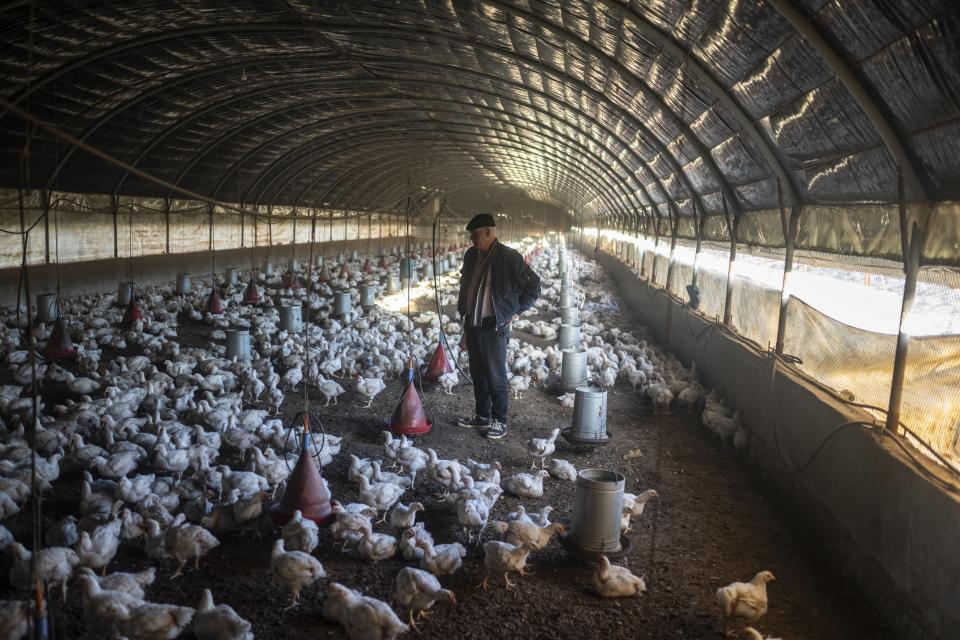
714	522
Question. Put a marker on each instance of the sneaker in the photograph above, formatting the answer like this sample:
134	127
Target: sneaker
496	431
473	422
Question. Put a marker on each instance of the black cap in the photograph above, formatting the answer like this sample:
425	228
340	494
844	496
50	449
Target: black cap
481	220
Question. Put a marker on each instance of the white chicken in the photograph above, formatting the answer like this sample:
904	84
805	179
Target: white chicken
517	384
294	569
153	621
501	558
611	581
185	542
525	485
54	565
330	389
743	603
633	505
300	534
542	447
218	622
369	388
362	616
562	470
448	381
417	591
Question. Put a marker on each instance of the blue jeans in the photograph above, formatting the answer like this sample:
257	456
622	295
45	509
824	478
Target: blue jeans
487	349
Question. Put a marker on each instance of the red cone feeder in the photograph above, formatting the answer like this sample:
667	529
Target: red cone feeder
408	417
384	263
306	492
252	293
345	272
439	365
367	267
291	281
324	275
59	345
214	303
131	315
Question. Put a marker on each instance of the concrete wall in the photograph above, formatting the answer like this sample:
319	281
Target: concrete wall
78	278
892	530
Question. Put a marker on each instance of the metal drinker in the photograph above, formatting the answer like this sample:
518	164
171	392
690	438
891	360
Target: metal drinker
124	293
569	337
568	299
573	369
569	315
238	344
267	269
230	277
597	509
341	303
47	307
405	264
291	317
368	296
428	269
183	284
293	265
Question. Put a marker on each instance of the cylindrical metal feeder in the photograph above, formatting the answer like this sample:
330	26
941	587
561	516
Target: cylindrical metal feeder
452	260
393	284
124	293
569	337
414	276
230	277
294	265
340	258
567	299
573	369
291	317
318	261
47	307
238	344
405	264
428	269
341	303
597	509
368	296
183	284
589	415
355	256
570	315
267	269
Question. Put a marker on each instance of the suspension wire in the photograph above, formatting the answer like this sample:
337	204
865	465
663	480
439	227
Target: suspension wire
436	288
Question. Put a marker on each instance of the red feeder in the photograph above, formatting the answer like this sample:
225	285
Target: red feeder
367	267
214	303
306	492
408	418
291	281
324	274
345	272
384	263
131	315
252	294
59	345
439	365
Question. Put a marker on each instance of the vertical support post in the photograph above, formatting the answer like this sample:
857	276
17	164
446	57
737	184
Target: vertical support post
243	228
45	204
790	229
256	240
115	210
210	227
293	237
699	222
167	206
732	224
270	224
656	245
911	264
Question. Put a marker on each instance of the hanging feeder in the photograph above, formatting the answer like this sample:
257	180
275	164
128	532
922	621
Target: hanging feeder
251	294
183	284
214	304
124	293
47	307
230	278
268	269
597	509
324	275
306	491
291	281
384	263
367	266
408	417
439	364
131	315
345	272
59	346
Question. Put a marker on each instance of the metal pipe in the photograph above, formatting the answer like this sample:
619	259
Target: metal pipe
911	266
732	225
790	238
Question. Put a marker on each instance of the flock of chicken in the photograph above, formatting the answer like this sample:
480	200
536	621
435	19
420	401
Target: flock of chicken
177	447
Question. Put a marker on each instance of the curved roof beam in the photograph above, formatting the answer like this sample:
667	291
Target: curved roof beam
519	124
325	28
698	71
495	132
845	73
379	138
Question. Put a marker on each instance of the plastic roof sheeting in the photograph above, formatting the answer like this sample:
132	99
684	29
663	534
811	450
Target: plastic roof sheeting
606	107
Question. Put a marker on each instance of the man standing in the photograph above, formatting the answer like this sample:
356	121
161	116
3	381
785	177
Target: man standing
496	286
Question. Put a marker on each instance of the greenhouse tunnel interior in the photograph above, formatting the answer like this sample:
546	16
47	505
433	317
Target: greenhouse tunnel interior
770	187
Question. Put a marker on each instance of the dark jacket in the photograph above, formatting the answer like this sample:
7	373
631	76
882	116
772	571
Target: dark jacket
515	285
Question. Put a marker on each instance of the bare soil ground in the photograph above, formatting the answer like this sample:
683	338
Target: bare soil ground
714	522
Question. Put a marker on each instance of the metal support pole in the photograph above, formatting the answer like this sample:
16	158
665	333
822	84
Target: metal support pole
732	225
167	205
270	225
699	221
243	229
911	265
256	240
210	227
293	238
45	203
115	210
790	239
